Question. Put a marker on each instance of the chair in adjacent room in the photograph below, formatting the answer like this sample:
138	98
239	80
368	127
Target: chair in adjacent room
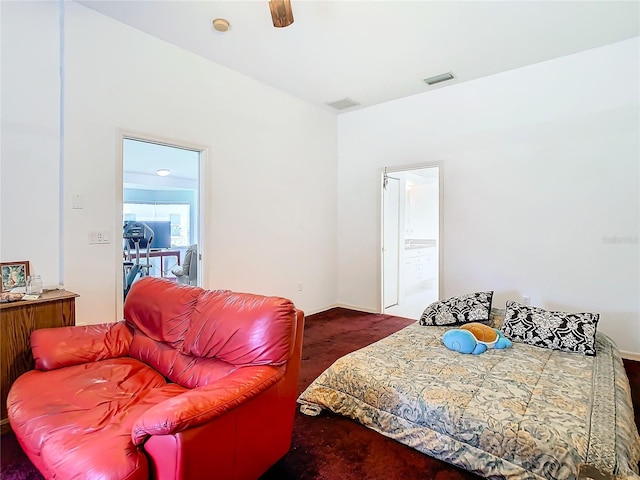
188	272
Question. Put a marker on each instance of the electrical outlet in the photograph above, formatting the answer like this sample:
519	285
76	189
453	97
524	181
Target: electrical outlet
300	287
526	300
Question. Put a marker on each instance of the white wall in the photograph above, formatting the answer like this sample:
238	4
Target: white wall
541	167
540	164
30	137
271	176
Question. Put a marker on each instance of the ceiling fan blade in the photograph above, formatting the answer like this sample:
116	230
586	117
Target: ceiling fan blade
281	13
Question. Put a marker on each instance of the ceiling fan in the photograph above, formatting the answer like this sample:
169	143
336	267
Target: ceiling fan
281	13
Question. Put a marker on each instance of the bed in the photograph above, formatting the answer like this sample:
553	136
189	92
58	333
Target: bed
516	413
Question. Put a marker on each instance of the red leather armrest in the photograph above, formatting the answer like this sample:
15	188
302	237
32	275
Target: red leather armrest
64	346
202	404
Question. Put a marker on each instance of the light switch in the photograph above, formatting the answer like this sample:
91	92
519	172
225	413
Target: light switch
99	237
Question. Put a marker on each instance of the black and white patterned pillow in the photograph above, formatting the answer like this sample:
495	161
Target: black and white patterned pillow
472	307
569	332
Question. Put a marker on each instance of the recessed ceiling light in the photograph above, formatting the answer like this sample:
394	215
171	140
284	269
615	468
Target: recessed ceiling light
163	172
221	25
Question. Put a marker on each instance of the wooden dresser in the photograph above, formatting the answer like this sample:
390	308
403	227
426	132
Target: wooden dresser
17	321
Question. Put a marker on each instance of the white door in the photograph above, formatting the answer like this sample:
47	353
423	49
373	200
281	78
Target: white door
391	240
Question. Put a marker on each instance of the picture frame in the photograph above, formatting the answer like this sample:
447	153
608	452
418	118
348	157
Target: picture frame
14	274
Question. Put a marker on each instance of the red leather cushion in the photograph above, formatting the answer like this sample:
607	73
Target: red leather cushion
86	435
241	328
65	346
188	371
161	309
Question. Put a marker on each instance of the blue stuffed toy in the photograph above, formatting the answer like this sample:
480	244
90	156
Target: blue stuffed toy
474	338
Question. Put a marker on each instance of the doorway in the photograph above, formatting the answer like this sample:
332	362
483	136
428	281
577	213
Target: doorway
410	240
160	212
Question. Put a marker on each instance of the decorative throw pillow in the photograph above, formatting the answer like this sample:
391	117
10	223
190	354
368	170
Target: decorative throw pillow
472	307
569	332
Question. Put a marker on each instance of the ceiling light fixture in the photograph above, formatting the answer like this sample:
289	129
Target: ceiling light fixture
281	13
163	172
220	25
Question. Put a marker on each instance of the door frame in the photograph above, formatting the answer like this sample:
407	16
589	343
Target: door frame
402	168
203	164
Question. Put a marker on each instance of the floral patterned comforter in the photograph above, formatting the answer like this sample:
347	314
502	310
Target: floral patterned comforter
524	412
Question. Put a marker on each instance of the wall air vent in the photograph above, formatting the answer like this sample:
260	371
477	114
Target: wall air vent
342	104
439	78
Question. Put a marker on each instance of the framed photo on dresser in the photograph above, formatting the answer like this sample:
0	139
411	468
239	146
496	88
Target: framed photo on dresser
14	274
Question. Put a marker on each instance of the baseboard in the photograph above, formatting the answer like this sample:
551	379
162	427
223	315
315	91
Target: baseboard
630	355
357	308
340	305
317	310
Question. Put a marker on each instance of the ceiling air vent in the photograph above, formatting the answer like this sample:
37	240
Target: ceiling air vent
342	104
439	78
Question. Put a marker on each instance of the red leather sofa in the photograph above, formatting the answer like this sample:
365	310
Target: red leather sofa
193	384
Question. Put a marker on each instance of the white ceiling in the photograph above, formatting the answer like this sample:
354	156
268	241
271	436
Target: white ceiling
140	160
377	51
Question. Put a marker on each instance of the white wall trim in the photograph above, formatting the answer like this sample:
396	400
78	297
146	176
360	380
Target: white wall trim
340	305
61	192
630	355
117	246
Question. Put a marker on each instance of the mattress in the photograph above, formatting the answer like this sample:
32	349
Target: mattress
522	412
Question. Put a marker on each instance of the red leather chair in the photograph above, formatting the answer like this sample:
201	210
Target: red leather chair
193	384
